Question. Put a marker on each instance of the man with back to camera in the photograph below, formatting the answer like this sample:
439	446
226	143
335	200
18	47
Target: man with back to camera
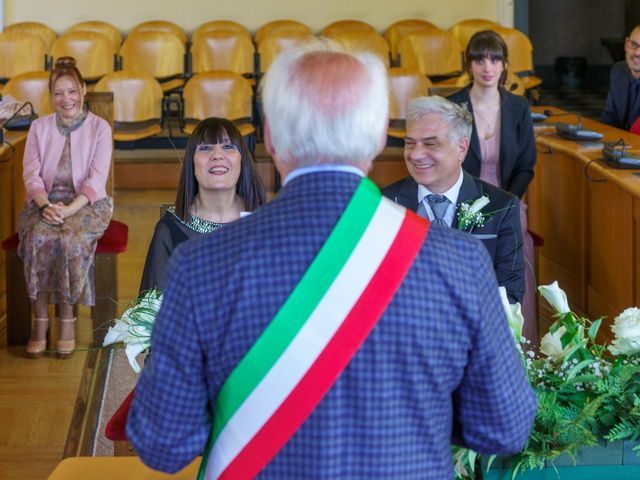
622	109
436	143
323	336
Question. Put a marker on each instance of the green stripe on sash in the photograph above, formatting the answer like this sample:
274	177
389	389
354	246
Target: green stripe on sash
299	306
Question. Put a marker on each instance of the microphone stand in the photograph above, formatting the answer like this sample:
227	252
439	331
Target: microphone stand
11	118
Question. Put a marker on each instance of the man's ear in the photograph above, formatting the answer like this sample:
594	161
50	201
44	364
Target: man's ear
463	147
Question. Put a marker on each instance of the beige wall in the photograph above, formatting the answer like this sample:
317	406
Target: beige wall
60	14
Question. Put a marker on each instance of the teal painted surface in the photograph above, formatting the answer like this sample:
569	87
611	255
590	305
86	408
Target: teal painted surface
602	472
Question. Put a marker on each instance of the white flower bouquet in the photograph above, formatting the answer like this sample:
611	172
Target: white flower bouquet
587	390
133	328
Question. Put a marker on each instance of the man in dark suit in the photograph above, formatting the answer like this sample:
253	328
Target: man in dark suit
622	109
440	364
438	135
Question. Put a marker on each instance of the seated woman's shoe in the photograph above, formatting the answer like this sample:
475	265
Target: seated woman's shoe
64	348
36	348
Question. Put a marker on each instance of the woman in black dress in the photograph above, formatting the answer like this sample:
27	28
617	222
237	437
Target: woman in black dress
218	184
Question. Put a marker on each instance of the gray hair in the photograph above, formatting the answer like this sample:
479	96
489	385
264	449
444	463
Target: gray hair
324	105
457	117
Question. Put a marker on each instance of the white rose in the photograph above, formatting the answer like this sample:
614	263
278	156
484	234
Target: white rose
551	345
626	329
556	297
513	313
479	204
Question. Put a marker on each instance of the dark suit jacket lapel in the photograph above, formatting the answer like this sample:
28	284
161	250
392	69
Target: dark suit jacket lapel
475	142
407	195
469	190
508	118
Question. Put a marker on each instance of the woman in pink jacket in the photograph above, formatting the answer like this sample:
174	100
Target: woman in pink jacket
66	164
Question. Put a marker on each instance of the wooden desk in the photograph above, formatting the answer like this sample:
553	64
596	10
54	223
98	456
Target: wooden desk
589	216
11	196
122	468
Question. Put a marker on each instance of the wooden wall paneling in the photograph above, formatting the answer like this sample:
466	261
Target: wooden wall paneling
6	219
556	212
610	269
18	140
636	251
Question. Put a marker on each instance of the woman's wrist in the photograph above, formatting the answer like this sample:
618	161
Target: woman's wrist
41	208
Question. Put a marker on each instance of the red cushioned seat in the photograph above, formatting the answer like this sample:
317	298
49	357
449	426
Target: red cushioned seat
10	244
115	428
114	239
538	241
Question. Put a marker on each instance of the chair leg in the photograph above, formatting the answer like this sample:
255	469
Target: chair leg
18	302
106	285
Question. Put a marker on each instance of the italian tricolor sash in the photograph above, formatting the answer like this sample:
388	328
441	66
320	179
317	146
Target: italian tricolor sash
311	340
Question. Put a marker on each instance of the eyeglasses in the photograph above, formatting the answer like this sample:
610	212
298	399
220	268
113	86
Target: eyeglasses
631	44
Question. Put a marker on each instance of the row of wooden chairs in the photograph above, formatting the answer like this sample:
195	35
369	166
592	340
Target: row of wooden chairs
462	30
159	48
139	100
139	109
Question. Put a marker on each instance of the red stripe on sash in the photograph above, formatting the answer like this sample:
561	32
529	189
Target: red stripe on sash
364	315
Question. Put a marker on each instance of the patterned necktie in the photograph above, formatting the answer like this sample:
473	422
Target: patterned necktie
439	205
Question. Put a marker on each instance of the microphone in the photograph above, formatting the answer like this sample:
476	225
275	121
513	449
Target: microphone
573	132
17	125
617	155
549	113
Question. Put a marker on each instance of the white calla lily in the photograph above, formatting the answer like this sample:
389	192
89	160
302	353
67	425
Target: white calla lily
551	344
134	327
556	297
513	313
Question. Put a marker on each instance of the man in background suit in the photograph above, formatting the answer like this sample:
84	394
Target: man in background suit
622	109
438	135
439	365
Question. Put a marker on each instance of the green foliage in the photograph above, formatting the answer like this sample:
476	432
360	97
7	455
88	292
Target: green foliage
584	396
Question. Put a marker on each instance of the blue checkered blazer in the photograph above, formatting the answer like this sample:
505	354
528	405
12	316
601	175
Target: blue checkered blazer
440	364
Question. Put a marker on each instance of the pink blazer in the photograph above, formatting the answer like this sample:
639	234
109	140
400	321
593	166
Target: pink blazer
91	150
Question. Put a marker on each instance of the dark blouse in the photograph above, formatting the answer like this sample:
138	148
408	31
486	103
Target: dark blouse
170	232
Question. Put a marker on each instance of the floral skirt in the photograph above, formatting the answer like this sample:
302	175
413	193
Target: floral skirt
59	259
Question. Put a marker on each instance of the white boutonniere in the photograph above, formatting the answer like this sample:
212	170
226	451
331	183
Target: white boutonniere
470	215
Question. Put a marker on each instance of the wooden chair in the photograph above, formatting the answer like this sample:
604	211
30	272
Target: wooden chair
218	94
93	52
100	27
215	25
222	50
465	29
31	87
404	84
433	53
158	53
520	55
137	104
161	26
399	29
277	42
21	52
46	34
363	41
346	25
113	241
272	28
